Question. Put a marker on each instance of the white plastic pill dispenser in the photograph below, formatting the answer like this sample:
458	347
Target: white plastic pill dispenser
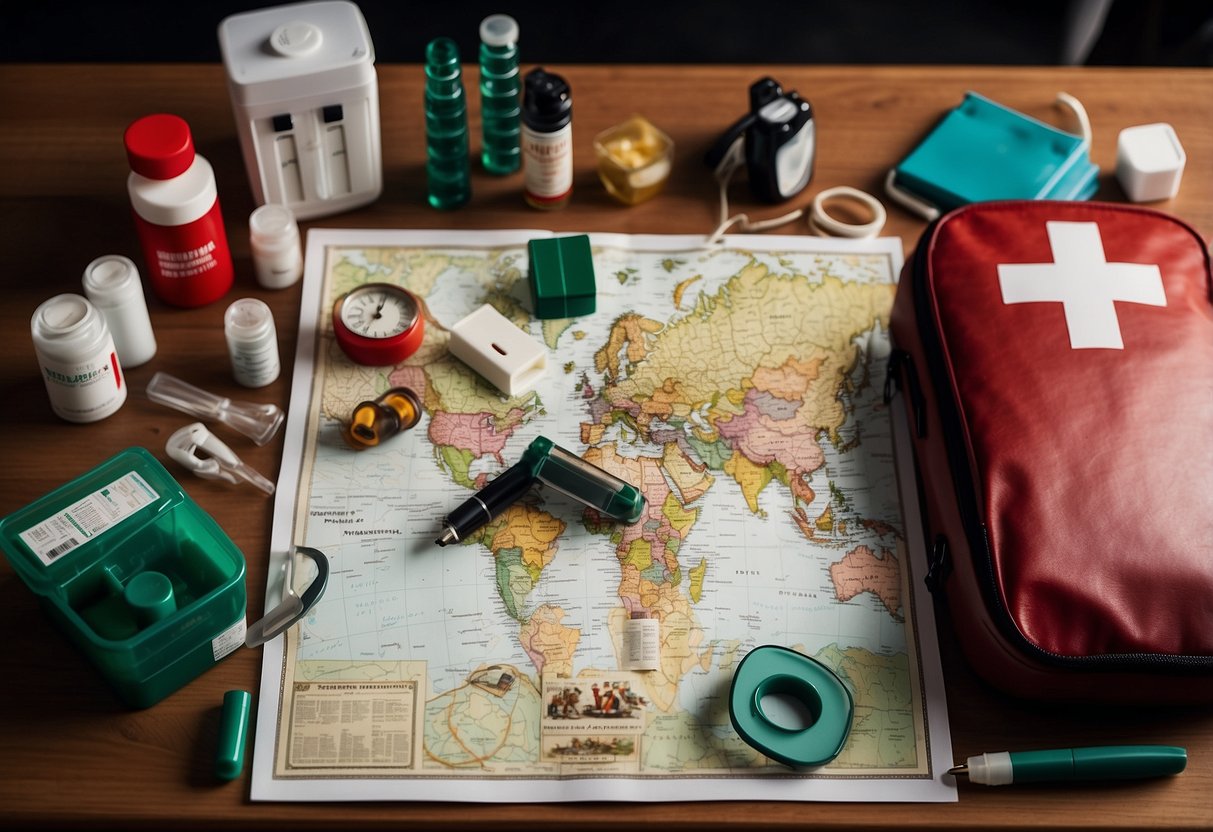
306	101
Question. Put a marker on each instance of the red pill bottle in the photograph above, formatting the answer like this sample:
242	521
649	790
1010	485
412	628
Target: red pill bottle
176	207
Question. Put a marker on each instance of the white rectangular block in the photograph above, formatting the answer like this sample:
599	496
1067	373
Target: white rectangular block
1149	162
493	346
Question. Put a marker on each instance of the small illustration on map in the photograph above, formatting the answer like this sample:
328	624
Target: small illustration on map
605	700
591	749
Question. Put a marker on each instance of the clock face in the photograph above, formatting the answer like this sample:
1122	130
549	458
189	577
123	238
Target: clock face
378	324
378	311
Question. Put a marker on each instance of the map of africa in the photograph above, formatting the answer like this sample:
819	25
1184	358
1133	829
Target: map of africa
740	390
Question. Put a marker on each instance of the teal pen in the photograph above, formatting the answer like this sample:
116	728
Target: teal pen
1110	762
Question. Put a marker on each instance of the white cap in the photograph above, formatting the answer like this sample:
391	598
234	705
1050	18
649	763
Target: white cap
499	30
1149	162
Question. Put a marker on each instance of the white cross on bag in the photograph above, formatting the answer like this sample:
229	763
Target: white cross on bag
1084	282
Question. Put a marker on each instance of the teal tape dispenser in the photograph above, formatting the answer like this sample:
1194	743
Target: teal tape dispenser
773	672
981	151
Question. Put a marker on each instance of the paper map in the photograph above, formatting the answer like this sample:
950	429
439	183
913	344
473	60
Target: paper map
739	387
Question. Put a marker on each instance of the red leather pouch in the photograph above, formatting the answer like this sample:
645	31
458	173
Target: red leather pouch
1056	360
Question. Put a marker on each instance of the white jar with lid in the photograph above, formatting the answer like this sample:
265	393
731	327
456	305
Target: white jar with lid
252	342
77	358
277	249
112	283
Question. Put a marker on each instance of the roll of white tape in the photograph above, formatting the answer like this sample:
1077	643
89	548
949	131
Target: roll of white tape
824	225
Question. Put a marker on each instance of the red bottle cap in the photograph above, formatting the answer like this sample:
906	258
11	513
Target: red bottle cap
159	146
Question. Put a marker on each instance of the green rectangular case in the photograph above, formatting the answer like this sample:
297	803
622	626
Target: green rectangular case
562	277
140	578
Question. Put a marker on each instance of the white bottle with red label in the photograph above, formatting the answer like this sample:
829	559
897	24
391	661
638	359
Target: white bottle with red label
176	206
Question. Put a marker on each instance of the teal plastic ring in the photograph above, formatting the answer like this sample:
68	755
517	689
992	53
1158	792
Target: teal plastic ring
777	670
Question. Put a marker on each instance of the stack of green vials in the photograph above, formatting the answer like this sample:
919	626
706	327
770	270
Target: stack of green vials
447	165
500	95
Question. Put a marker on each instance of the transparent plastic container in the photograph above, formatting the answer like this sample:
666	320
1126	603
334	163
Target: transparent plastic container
634	160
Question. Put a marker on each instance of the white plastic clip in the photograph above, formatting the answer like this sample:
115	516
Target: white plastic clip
218	464
493	346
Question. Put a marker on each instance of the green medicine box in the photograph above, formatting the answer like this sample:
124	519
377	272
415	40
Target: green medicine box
137	575
562	277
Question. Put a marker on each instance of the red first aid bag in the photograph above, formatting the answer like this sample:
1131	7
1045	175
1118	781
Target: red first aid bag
1056	360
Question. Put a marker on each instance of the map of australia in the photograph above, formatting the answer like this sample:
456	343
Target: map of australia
739	390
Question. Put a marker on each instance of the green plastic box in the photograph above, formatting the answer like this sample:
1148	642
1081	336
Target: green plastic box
140	578
562	277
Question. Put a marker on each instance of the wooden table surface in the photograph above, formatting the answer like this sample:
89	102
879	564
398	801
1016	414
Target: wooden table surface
70	754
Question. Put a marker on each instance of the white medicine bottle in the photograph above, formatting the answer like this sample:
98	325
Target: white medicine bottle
77	359
252	342
276	246
111	282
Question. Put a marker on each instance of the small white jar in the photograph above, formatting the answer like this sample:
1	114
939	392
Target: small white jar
112	284
77	359
252	342
276	246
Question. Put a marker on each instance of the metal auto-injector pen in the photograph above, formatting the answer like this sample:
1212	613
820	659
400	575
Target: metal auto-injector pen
546	462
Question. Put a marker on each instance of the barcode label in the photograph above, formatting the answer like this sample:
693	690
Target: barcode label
62	548
89	518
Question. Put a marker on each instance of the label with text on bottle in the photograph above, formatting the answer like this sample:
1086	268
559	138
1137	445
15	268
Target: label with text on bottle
190	264
88	390
547	163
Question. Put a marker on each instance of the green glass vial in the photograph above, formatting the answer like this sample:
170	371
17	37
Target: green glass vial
500	95
447	166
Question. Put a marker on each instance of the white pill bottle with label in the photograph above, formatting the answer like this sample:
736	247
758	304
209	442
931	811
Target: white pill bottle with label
77	359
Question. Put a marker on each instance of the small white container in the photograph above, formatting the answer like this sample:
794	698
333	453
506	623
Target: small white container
252	342
112	283
77	359
503	354
1149	162
277	249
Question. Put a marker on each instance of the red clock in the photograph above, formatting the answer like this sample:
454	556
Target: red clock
378	324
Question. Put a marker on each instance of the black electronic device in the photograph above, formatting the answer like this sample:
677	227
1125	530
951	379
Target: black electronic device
779	139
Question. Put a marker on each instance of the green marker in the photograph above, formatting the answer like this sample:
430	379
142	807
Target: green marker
1111	762
233	734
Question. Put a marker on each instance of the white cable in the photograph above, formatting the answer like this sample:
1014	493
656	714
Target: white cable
1069	102
732	160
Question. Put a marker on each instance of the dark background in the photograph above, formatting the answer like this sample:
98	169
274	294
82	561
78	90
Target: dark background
1096	32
